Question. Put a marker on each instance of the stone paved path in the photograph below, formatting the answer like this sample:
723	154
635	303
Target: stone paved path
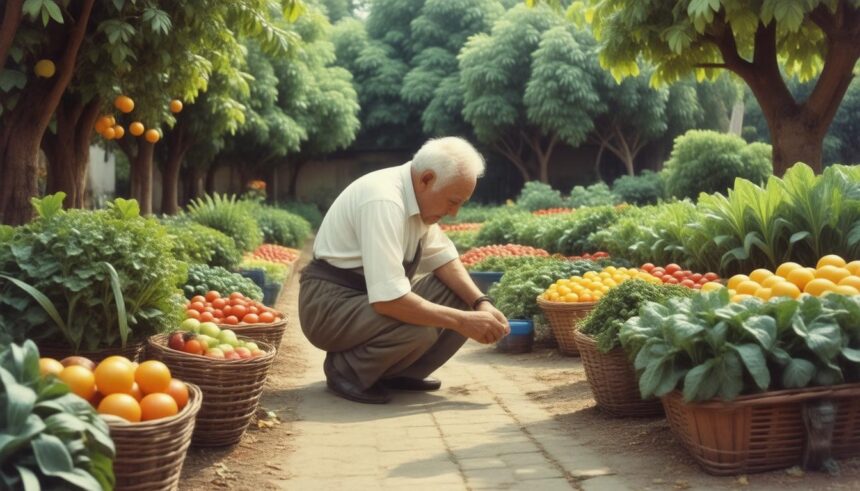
479	431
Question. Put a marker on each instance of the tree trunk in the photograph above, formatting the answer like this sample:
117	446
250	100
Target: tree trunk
141	168
68	150
294	178
25	125
210	177
178	146
598	159
9	27
795	141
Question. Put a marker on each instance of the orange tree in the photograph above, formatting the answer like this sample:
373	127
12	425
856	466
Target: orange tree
758	41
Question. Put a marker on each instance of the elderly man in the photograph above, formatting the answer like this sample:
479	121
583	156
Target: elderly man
358	301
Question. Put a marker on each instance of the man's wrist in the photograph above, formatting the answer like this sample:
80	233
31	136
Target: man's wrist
483	298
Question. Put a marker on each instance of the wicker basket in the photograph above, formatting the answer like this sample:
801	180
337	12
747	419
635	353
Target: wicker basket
150	454
231	389
59	351
267	333
563	318
760	432
613	381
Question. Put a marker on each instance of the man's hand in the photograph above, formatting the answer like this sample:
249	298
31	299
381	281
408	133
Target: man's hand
488	307
484	326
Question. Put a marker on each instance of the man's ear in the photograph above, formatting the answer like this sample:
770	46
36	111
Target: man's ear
428	177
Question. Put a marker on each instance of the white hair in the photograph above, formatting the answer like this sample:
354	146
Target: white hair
449	157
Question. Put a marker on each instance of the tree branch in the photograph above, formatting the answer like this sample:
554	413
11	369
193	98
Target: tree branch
823	18
11	20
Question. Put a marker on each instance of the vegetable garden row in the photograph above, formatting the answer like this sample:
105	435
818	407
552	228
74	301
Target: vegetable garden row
737	316
109	372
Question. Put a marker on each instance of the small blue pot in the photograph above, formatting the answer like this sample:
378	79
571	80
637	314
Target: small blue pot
485	279
520	340
258	276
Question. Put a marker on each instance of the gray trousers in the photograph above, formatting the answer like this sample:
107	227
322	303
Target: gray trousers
366	346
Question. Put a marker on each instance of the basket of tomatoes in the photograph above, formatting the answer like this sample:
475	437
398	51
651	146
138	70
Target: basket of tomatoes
150	413
244	315
230	371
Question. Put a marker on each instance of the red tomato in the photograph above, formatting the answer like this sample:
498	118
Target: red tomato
198	306
672	267
696	277
235	295
219	303
231	320
192	314
207	317
198	298
227	310
193	346
712	276
251	319
657	274
267	317
218	314
212	295
647	267
658	269
672	280
688	283
680	275
239	311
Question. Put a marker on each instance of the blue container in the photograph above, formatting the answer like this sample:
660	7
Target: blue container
520	340
256	275
270	294
485	279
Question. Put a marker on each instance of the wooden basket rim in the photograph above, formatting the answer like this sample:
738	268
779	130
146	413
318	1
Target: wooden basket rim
195	400
566	306
256	325
266	347
772	396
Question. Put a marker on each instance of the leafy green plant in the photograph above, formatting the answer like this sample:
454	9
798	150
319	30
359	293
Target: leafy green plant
598	194
49	437
620	304
576	238
711	347
536	195
196	243
279	226
463	239
645	189
275	272
501	228
476	213
93	279
202	278
704	161
229	216
308	211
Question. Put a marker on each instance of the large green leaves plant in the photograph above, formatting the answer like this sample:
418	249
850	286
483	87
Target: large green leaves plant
229	216
49	437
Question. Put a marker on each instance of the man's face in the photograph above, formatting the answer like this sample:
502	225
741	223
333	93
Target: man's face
436	201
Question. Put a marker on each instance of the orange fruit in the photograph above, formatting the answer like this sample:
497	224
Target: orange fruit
113	376
773	280
152	376
102	124
760	275
50	366
175	106
819	286
850	281
122	405
832	273
786	268
135	392
845	290
156	406
119	131
764	293
785	289
830	260
854	267
152	136
45	68
747	287
109	133
739	297
136	128
179	392
736	279
119	358
124	103
800	277
80	380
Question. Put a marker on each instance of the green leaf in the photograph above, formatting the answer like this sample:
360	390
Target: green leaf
51	454
851	354
122	318
730	375
32	8
798	373
46	304
763	329
28	479
64	423
50	205
125	208
12	79
19	404
54	11
753	358
699	384
10	444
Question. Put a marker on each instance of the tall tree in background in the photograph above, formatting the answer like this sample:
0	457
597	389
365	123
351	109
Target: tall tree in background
814	37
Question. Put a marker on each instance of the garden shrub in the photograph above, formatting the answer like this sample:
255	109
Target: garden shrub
501	228
78	259
199	244
308	211
476	213
576	236
229	216
536	195
598	194
709	162
202	278
645	189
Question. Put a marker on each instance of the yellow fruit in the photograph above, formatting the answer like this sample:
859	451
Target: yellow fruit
832	273
786	268
785	289
736	279
845	290
136	128
764	293
854	267
711	286
80	380
124	103
747	287
760	275
800	277
740	296
175	106
571	297
850	281
45	68
50	366
610	269
830	260
773	280
113	376
124	406
819	286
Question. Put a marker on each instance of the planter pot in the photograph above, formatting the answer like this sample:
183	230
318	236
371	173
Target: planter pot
613	381
761	432
270	294
564	317
258	276
520	340
485	279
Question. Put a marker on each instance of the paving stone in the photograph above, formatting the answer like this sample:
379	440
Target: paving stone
480	463
604	483
501	478
555	484
536	471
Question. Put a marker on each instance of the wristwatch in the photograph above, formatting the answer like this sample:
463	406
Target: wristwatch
482	298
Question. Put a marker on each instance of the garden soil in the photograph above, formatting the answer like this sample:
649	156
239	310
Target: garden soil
642	451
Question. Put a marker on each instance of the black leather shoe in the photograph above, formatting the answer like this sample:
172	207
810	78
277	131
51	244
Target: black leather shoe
407	383
348	389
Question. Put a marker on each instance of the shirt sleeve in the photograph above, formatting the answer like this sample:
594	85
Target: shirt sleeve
381	228
438	249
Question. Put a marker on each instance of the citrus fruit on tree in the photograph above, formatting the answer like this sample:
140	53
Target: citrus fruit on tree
122	405
136	128
152	376
152	136
124	103
113	376
45	68
175	106
102	124
156	406
109	133
118	131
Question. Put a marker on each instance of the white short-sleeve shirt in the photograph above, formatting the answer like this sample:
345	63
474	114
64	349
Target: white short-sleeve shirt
375	225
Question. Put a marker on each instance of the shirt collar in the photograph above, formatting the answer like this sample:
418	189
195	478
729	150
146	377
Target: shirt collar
409	190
